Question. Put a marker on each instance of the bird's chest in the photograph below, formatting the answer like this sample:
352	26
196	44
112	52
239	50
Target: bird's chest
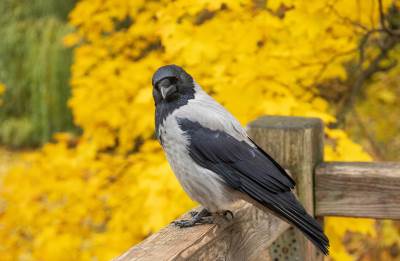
201	184
175	145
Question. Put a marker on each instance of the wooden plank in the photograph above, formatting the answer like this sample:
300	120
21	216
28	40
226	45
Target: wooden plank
243	238
297	144
358	189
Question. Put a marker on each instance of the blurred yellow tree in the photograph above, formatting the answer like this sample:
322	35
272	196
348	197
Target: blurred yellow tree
94	196
2	89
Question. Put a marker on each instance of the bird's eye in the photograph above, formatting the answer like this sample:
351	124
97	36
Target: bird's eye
173	80
167	81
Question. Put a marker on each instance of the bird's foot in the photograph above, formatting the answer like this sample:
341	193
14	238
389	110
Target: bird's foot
193	222
198	218
193	213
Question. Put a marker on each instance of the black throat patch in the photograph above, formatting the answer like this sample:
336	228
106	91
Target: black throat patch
164	108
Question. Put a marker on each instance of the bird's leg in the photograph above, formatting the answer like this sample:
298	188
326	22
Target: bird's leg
194	213
202	217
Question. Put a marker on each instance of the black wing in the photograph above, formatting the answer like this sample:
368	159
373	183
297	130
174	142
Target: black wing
234	160
252	171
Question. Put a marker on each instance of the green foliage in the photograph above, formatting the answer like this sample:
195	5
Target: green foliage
16	131
33	9
35	68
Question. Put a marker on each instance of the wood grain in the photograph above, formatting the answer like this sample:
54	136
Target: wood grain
358	189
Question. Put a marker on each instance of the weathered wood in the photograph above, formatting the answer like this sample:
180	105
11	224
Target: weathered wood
241	239
297	144
358	189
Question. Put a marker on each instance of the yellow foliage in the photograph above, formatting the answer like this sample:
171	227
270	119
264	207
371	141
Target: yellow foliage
76	203
2	90
337	227
95	197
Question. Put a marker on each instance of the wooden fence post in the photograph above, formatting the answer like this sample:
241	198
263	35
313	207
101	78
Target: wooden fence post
297	144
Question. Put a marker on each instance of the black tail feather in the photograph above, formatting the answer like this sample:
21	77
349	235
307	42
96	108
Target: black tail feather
287	206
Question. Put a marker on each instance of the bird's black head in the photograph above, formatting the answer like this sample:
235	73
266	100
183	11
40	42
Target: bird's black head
172	89
171	84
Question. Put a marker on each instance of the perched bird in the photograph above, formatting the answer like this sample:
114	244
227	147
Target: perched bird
215	161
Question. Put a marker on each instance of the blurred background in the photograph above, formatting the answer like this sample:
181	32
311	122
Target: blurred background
81	176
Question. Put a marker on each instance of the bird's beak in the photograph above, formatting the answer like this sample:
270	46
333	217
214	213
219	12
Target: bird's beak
167	90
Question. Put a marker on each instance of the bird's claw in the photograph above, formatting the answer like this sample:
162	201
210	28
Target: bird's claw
206	220
192	222
228	215
193	213
183	223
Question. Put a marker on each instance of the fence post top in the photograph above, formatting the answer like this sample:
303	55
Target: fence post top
286	122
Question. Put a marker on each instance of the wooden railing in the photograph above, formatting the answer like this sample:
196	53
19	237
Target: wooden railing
325	189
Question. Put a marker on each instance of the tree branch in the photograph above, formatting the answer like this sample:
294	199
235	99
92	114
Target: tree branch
376	150
364	75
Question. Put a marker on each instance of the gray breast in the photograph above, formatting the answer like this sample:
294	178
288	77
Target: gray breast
202	185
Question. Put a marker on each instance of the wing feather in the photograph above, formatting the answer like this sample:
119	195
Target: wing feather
233	159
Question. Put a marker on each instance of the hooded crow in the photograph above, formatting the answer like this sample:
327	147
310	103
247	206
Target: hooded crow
215	161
